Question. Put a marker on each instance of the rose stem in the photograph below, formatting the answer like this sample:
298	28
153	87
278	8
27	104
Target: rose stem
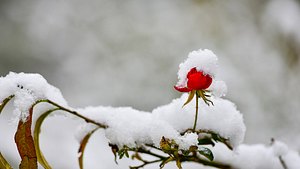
196	115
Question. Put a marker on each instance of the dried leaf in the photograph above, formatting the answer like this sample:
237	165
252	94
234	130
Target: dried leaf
164	162
114	149
37	129
190	98
25	143
5	101
178	164
83	144
137	156
3	163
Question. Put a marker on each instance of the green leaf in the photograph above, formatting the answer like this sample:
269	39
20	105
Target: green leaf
122	152
206	152
37	129
83	144
5	101
3	163
216	137
206	141
126	154
190	98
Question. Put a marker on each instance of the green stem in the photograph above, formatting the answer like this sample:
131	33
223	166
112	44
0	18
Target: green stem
196	115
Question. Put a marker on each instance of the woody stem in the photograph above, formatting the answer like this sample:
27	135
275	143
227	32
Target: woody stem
196	115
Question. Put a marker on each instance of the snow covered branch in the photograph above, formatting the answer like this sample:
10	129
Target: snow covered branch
200	126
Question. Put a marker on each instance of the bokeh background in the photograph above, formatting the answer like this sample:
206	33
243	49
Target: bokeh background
126	53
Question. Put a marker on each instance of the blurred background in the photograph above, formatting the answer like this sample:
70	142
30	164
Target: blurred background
126	53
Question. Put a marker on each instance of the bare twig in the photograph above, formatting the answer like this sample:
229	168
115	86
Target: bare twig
88	120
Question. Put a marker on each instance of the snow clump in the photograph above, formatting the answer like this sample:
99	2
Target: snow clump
28	88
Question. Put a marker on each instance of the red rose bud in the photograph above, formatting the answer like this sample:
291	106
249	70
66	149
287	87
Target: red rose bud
196	80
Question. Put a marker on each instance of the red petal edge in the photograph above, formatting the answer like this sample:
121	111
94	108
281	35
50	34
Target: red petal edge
182	89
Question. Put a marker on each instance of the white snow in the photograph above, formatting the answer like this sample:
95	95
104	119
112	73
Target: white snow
28	88
218	88
204	60
256	156
279	148
187	140
83	130
222	118
131	127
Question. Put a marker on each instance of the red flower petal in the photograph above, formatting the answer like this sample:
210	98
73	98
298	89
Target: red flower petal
192	71
182	89
198	81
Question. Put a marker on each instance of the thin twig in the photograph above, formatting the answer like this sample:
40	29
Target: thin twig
88	120
283	163
144	151
146	163
205	162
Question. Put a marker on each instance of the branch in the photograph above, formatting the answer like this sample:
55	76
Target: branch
88	120
182	158
144	151
205	162
221	139
145	163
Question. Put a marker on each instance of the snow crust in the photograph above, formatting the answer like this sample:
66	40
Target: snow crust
204	60
257	156
131	127
28	88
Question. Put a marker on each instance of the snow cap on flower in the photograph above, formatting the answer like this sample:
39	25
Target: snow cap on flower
203	60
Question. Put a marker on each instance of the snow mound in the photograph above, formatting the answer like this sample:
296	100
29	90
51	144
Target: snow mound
28	88
131	127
